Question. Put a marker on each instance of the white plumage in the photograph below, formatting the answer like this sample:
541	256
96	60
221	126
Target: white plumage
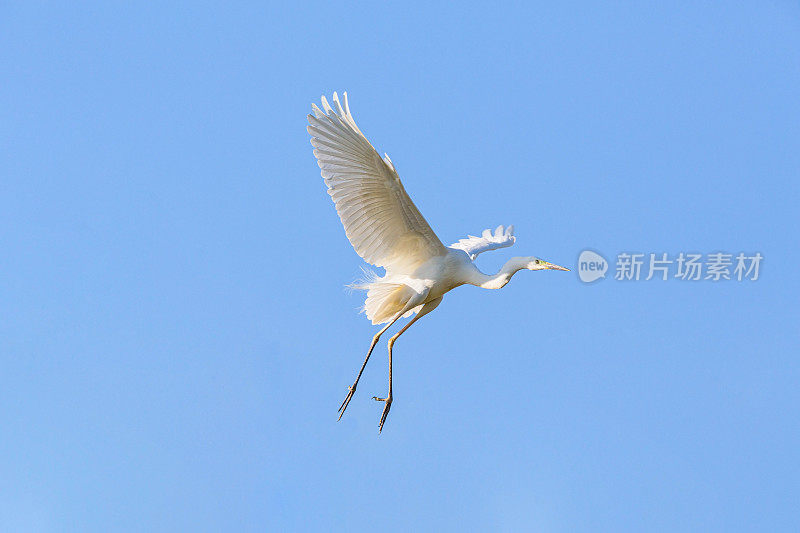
386	229
473	245
382	223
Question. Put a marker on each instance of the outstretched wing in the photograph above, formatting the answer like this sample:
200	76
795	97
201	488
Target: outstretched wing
382	223
502	238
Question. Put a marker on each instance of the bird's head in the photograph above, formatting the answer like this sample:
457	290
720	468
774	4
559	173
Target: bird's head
534	263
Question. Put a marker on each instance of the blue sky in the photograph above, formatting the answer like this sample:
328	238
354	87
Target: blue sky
175	337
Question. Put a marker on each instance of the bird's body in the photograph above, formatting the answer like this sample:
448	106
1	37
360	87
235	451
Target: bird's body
386	229
388	295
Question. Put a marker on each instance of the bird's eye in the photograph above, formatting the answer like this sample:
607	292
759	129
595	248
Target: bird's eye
537	261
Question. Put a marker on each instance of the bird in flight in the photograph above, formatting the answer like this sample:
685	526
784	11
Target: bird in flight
387	230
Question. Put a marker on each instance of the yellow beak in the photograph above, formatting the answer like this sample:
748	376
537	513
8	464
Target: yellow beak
551	266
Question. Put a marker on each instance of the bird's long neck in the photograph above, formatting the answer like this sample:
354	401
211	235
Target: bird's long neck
499	280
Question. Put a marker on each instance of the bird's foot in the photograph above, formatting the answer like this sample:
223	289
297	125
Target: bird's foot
387	405
343	407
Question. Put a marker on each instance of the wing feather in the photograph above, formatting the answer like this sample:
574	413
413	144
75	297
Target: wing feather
501	238
380	220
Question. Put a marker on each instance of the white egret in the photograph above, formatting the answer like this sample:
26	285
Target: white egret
386	230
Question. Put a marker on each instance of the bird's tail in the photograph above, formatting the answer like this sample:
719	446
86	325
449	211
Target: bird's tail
384	298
